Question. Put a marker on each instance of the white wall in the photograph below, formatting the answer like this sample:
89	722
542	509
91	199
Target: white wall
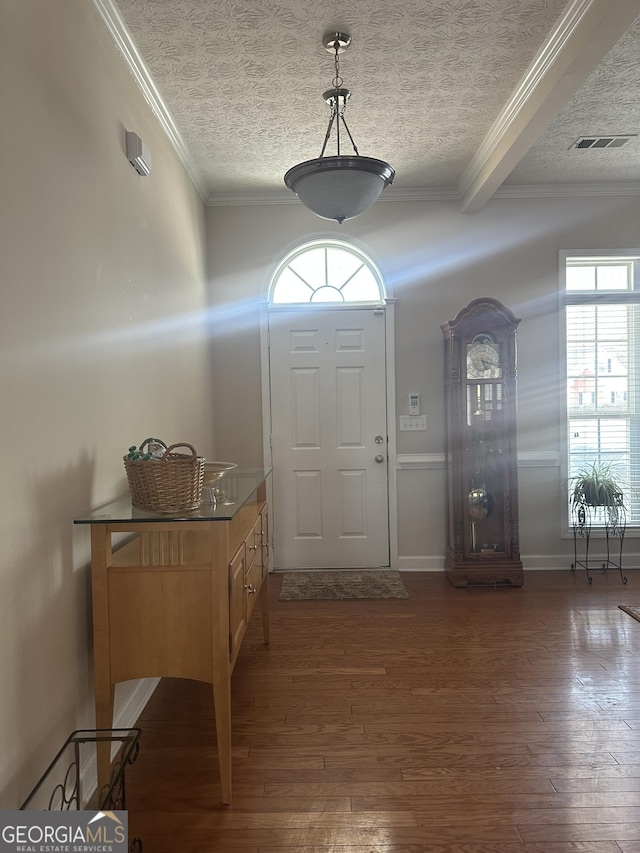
102	342
436	260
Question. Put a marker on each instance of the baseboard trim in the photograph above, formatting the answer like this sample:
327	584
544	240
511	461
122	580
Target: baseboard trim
133	703
421	564
125	716
530	562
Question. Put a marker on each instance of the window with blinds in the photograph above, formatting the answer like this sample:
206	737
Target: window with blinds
602	357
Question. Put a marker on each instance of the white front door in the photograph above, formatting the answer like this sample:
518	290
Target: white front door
327	374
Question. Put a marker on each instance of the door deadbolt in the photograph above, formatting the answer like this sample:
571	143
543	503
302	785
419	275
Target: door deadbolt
379	439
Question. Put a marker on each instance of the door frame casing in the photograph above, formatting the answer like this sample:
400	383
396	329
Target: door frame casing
388	305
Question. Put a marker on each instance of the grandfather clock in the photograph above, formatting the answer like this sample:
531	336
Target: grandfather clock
481	456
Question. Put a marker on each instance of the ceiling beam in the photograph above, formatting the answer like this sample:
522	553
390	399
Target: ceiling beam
583	35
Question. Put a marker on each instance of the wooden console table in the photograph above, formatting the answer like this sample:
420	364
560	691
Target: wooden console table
172	595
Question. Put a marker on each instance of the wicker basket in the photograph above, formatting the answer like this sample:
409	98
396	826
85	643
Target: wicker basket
170	484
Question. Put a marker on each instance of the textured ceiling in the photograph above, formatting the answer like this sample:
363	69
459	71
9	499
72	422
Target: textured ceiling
608	102
440	87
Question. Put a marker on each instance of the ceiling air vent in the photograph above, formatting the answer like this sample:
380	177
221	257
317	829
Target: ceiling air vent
612	141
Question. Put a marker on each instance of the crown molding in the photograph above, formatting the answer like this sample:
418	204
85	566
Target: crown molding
287	197
441	194
567	190
138	68
252	198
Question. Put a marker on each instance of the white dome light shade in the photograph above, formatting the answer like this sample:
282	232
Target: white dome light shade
339	187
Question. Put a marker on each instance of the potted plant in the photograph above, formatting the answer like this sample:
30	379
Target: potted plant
597	485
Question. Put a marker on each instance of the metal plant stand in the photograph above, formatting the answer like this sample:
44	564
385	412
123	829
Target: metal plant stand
69	783
614	528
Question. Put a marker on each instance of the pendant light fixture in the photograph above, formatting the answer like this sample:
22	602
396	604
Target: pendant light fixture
342	186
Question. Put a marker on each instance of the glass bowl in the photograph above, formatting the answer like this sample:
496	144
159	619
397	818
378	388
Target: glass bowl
213	472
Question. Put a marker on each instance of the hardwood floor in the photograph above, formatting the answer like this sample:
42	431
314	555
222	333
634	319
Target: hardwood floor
454	721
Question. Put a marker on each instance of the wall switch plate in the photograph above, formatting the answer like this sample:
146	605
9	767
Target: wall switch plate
413	422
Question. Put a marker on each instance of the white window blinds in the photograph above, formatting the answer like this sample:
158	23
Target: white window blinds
602	358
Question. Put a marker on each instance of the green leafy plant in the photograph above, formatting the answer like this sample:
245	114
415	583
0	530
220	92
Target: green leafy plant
597	485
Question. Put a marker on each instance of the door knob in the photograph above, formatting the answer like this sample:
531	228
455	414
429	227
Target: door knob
379	458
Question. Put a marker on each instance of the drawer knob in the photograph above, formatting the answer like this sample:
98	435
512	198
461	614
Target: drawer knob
250	588
253	547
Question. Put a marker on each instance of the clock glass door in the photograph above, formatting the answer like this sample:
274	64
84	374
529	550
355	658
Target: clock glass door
485	469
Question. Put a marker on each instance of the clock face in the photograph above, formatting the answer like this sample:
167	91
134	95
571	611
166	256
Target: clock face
483	359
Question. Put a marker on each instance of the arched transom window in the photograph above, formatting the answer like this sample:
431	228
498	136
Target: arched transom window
326	271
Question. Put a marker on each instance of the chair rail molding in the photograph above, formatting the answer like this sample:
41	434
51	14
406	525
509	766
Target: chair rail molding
432	461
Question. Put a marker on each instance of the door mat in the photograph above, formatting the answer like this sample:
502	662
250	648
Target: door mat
632	611
341	585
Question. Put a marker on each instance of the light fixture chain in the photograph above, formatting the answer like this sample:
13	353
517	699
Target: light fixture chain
337	82
328	133
336	110
346	127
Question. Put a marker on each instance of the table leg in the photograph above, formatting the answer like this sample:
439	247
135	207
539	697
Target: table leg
104	689
104	720
222	706
264	607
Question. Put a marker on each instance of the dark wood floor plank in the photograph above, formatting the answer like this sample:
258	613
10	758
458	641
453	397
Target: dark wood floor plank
454	721
578	831
425	847
442	787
